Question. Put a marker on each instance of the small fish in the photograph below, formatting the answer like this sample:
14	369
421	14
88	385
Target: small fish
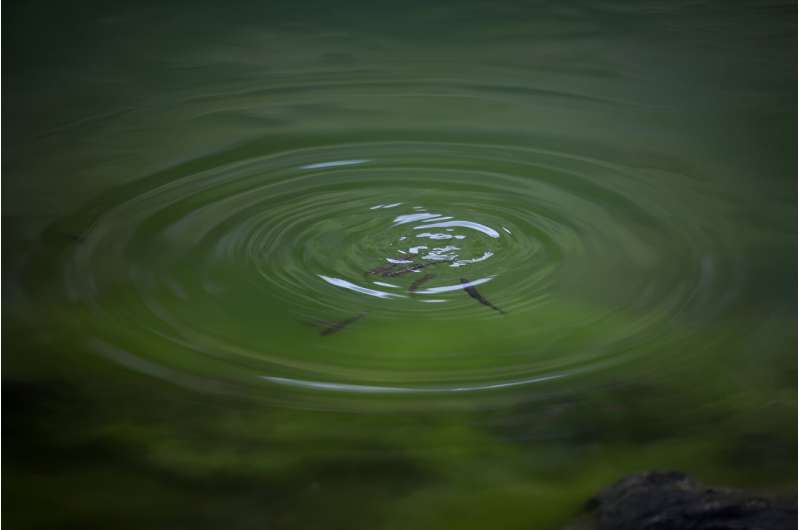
473	292
411	268
334	327
385	270
419	281
392	270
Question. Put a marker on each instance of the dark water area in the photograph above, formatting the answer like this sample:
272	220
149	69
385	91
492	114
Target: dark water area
396	266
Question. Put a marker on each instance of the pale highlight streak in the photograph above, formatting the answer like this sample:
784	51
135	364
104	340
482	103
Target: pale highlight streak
374	389
335	163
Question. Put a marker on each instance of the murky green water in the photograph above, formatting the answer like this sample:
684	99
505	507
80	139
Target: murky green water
399	266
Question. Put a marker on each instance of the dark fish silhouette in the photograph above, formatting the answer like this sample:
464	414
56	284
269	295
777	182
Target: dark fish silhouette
411	268
383	270
333	327
398	269
419	281
386	270
473	292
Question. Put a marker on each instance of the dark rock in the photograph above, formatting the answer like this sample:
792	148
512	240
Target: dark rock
669	500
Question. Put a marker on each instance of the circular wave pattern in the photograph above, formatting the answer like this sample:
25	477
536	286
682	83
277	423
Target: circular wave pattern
393	267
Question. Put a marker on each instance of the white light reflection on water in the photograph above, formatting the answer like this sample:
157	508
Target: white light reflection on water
486	255
448	288
338	282
433	235
375	389
335	163
411	217
465	224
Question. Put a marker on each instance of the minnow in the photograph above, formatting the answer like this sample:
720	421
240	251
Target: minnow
333	327
384	270
473	292
388	271
419	281
413	268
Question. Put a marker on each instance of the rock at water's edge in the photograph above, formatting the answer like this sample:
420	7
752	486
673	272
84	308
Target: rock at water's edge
669	500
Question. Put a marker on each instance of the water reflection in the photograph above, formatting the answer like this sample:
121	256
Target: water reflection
465	224
336	163
451	288
338	282
372	389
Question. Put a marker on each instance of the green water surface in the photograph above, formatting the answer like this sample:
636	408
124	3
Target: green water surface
393	265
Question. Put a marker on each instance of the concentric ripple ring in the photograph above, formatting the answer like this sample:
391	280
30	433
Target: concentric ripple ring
475	247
